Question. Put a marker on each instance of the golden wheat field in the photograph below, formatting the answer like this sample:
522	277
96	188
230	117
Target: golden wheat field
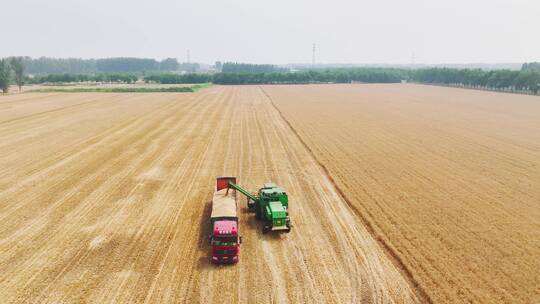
447	180
398	194
105	198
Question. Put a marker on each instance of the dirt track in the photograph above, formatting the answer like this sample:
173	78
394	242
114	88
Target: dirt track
105	197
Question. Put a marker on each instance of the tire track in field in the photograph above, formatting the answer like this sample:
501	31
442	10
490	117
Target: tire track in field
123	180
83	145
44	113
449	199
144	232
186	177
392	255
125	215
65	193
55	162
355	270
147	161
95	145
316	266
24	98
149	134
28	124
179	161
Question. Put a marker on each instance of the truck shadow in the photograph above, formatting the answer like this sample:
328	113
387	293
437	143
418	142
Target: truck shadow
204	231
249	219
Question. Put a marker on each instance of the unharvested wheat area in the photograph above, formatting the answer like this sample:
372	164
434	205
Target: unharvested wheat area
398	194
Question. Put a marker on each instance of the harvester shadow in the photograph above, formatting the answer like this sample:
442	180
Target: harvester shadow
271	236
253	223
249	219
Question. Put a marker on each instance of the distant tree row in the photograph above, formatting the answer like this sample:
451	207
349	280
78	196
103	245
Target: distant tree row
101	77
234	67
312	76
506	80
11	69
177	78
497	79
46	65
5	75
531	67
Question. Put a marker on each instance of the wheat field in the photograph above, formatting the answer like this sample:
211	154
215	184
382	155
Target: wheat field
447	180
105	198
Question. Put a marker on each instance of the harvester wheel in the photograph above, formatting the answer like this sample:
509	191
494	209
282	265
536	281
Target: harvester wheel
258	214
267	227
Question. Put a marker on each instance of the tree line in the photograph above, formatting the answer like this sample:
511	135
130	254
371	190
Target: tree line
531	66
179	78
235	67
311	76
67	78
45	65
524	80
11	69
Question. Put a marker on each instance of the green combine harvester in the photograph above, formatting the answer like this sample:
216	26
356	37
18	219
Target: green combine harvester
271	206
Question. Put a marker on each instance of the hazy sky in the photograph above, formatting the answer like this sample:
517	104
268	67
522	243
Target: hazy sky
276	31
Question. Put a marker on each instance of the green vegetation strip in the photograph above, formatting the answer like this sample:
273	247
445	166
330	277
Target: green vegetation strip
190	89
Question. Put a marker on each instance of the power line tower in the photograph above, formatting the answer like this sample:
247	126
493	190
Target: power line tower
313	55
188	57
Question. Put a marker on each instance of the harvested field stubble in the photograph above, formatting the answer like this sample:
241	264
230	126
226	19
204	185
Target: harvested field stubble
447	179
105	198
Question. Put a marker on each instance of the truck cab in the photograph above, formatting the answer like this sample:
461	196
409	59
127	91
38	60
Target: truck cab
225	242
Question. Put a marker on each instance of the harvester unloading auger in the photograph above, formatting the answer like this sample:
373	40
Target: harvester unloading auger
271	206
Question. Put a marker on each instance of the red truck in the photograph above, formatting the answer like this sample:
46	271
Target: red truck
225	239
